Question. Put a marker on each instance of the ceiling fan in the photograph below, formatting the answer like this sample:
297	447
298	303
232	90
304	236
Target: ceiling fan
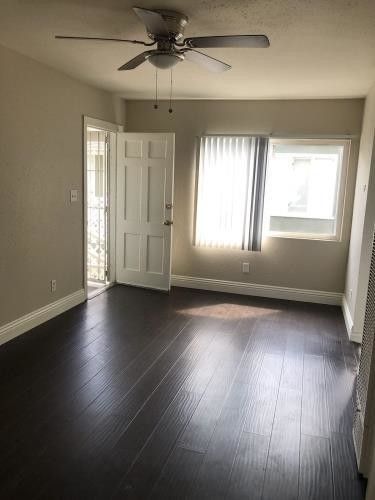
165	28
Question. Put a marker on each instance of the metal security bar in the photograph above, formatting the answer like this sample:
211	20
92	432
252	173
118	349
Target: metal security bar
97	203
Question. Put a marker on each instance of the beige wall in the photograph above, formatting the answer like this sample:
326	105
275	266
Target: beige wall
40	161
316	265
370	490
363	220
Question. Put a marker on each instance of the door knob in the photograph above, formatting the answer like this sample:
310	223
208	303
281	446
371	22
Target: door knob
168	222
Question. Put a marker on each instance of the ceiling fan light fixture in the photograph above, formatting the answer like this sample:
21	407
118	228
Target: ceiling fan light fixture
164	60
166	28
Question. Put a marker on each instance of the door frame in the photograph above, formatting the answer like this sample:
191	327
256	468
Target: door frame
112	128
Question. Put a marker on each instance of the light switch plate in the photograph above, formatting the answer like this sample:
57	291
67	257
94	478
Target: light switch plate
73	195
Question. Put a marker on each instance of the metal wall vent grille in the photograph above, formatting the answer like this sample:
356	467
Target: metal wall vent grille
365	389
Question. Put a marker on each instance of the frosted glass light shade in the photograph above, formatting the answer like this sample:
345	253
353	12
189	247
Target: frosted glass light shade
164	61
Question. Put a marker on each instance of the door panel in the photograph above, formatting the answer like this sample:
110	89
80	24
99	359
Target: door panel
144	189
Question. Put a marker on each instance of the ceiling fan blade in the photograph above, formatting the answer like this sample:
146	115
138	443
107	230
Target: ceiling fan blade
135	62
206	61
245	41
153	21
101	39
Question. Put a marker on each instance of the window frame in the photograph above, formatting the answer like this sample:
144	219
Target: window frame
340	195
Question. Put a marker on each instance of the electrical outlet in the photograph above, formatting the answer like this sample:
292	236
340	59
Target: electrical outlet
245	267
73	195
53	286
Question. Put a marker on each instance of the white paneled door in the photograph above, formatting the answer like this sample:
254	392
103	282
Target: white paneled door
144	209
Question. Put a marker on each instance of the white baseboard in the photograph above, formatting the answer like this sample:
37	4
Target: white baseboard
349	323
274	292
356	337
35	318
347	316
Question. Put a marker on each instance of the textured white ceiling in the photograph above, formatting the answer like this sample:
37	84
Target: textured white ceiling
319	48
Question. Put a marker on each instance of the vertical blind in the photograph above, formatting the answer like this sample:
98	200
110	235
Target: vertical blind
230	194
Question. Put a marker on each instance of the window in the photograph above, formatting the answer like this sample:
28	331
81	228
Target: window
305	188
230	193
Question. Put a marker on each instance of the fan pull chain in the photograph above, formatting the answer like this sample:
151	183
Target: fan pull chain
156	89
170	110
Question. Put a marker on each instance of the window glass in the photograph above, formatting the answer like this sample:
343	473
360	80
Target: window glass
305	188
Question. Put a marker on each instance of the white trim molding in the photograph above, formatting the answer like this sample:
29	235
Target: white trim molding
274	292
356	337
21	325
112	128
349	323
347	316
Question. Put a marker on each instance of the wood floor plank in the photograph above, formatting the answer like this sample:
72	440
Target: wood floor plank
271	338
347	485
179	474
292	372
214	475
315	421
313	337
314	344
249	468
281	479
332	347
263	396
198	433
288	410
339	390
315	479
282	472
147	467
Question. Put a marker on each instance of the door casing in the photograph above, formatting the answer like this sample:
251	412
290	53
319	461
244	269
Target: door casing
112	128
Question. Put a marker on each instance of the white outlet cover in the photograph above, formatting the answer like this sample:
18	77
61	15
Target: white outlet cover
245	267
73	195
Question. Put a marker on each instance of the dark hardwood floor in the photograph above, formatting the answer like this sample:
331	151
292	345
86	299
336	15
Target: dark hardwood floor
138	394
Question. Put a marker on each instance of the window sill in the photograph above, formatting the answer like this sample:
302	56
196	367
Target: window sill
288	215
297	236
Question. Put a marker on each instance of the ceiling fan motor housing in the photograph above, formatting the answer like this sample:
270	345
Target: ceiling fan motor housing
175	22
